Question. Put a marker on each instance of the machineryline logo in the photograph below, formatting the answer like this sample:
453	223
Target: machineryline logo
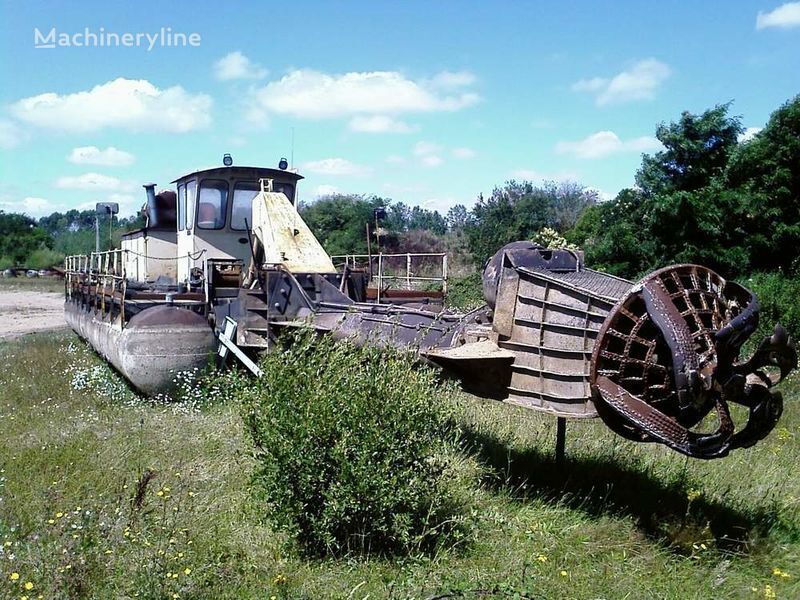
88	38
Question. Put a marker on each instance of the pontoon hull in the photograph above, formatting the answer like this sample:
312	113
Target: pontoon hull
153	347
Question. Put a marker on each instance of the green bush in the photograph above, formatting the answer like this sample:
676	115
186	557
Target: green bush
779	298
355	452
44	258
465	293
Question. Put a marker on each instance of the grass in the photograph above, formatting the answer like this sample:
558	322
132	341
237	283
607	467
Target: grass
106	495
38	284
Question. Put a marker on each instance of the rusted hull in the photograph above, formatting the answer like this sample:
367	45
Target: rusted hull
152	348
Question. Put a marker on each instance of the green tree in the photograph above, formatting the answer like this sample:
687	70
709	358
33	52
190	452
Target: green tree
697	148
20	237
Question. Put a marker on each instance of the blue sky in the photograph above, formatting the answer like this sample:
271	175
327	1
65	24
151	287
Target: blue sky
428	103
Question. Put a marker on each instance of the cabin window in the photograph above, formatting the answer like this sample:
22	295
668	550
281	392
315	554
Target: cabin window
286	188
181	207
212	204
191	195
243	195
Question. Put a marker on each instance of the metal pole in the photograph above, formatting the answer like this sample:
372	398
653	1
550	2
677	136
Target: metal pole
561	435
96	233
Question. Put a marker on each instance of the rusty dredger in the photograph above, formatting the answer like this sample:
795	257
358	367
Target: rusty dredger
226	260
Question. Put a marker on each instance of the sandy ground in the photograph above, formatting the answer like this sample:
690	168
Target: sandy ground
26	311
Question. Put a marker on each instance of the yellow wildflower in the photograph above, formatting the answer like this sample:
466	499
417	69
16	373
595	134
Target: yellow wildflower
160	493
693	494
187	571
7	544
279	579
14	576
59	515
563	573
51	521
778	573
541	558
28	585
769	593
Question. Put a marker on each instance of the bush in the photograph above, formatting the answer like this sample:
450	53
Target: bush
465	293
44	258
778	297
354	449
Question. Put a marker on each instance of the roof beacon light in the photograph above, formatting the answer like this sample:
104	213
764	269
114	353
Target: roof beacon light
283	164
227	160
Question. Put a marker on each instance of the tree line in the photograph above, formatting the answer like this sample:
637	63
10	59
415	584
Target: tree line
709	197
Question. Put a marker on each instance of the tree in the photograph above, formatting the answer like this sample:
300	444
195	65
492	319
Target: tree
697	148
457	218
518	210
19	238
765	172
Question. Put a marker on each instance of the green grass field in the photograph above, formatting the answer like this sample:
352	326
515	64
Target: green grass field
105	495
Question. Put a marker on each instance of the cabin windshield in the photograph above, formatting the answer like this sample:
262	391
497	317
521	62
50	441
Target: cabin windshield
212	204
243	195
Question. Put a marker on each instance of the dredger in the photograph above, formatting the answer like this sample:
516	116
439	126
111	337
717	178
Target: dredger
225	258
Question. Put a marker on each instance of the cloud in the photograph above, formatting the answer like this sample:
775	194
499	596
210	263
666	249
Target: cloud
749	133
325	190
423	148
379	124
335	166
91	181
92	155
309	94
131	104
237	66
394	159
606	143
10	135
432	160
640	82
785	16
463	153
533	175
450	79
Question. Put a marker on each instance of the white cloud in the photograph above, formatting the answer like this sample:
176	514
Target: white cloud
464	153
132	104
237	66
749	133
640	82
441	204
606	143
533	175
394	159
325	190
92	155
310	94
432	160
451	79
379	124
785	16
423	148
10	135
335	166
90	181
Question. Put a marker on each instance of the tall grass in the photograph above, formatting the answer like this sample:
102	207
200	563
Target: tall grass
156	499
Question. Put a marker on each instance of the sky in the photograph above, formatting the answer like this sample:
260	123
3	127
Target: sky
427	103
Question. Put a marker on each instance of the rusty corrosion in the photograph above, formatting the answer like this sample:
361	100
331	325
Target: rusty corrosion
666	357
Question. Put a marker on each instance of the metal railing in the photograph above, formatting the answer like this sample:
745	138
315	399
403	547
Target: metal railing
399	268
98	280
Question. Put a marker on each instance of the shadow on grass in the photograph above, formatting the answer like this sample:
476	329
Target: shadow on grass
662	510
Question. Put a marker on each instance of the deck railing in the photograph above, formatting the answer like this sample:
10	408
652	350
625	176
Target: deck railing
98	280
408	270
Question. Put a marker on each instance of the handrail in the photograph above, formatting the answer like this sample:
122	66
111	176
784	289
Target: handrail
350	260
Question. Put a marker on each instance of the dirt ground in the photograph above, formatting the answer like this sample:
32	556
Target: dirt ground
26	311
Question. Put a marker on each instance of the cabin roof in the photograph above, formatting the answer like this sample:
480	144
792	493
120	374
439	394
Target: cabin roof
238	171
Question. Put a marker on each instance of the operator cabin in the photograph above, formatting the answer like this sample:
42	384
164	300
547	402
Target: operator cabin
207	216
